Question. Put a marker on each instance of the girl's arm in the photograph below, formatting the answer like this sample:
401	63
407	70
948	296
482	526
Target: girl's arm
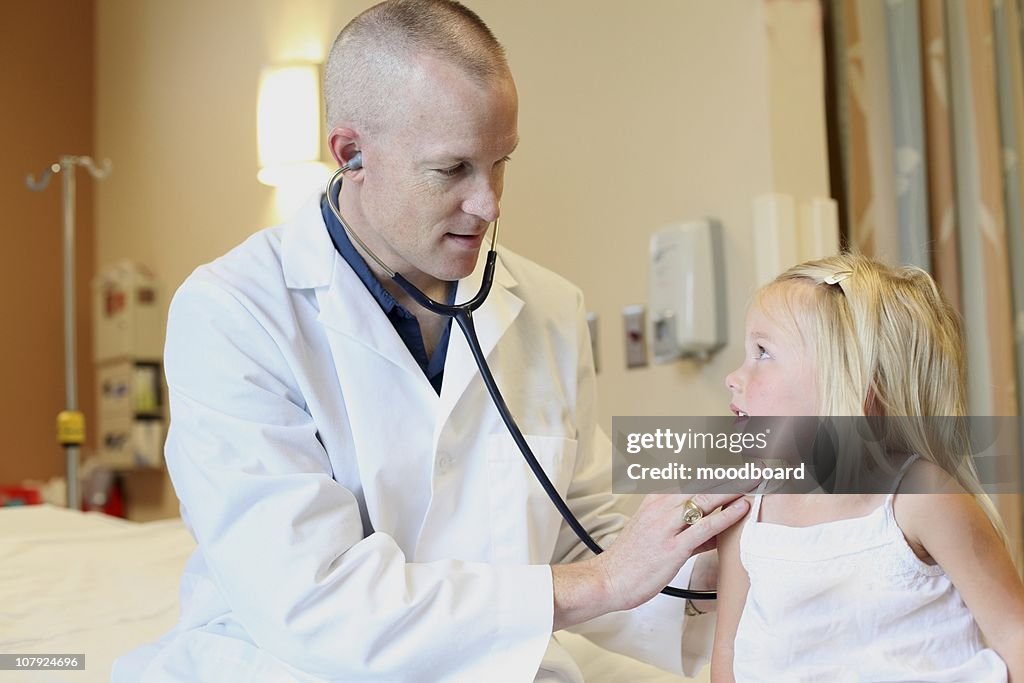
733	584
958	535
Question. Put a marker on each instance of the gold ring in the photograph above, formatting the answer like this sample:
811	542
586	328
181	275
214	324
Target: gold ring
691	513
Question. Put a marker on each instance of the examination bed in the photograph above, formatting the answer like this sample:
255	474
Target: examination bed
85	583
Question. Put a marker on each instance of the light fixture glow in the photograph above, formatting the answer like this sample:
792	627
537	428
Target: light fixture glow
288	126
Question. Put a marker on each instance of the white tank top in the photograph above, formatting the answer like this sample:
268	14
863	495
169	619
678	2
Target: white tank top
850	601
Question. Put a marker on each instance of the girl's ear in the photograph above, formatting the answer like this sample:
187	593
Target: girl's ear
871	405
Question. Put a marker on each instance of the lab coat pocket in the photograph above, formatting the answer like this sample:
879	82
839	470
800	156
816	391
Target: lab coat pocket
524	524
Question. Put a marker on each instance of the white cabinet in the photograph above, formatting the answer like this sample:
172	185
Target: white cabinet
127	348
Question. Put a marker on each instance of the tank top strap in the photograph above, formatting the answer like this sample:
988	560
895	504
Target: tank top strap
889	512
902	473
755	508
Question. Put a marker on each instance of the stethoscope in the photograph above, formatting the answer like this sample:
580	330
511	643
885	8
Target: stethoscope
463	315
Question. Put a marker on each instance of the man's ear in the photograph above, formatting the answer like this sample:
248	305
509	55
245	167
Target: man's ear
344	144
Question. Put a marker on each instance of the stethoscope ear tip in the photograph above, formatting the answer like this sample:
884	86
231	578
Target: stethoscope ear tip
354	163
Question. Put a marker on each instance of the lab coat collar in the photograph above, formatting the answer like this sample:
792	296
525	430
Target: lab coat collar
470	285
307	253
491	320
348	308
309	260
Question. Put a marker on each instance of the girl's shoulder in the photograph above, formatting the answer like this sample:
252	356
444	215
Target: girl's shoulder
924	476
923	494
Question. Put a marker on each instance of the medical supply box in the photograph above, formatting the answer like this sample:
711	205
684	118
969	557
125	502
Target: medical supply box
128	330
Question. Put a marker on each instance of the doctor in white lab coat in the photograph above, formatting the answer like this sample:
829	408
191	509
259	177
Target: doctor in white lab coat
353	521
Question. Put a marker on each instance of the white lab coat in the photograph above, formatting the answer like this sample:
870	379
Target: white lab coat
352	525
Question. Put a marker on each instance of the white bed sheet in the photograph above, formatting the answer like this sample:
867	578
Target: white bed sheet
75	583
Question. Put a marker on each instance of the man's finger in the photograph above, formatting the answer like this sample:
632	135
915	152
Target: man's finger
711	525
710	501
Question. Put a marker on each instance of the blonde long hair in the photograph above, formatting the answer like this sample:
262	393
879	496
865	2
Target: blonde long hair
887	344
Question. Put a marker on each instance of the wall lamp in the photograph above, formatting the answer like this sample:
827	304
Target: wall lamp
289	120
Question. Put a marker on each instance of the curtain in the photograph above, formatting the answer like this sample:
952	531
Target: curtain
931	119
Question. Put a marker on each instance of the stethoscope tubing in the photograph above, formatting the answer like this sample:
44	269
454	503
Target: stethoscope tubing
463	316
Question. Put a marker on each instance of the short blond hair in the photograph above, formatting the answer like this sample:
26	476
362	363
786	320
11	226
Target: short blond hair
363	79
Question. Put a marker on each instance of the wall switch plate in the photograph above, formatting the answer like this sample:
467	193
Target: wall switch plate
634	325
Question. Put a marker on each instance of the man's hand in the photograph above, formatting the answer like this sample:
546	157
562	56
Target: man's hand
649	552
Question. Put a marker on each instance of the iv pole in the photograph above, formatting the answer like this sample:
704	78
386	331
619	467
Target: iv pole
70	422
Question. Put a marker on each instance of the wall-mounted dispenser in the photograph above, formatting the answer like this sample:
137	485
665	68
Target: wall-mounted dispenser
687	291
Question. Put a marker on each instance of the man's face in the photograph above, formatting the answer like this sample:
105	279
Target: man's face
433	180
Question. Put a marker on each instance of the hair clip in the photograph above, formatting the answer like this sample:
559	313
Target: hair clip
837	277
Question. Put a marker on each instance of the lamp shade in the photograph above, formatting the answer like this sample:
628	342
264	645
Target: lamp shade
288	125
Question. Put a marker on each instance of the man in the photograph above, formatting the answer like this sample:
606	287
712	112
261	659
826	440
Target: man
360	511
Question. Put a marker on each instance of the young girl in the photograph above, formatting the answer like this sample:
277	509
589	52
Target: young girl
875	587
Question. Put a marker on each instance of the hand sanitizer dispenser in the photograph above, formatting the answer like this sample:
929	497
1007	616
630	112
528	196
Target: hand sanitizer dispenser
687	291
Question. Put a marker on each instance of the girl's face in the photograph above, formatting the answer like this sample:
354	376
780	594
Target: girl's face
778	376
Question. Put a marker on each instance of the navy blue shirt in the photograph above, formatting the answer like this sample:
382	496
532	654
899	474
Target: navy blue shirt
405	323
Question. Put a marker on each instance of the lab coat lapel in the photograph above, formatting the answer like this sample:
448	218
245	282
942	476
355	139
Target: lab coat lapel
389	403
382	385
352	316
310	260
347	308
492	320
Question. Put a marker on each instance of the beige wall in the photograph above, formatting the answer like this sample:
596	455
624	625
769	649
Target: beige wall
628	121
46	111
